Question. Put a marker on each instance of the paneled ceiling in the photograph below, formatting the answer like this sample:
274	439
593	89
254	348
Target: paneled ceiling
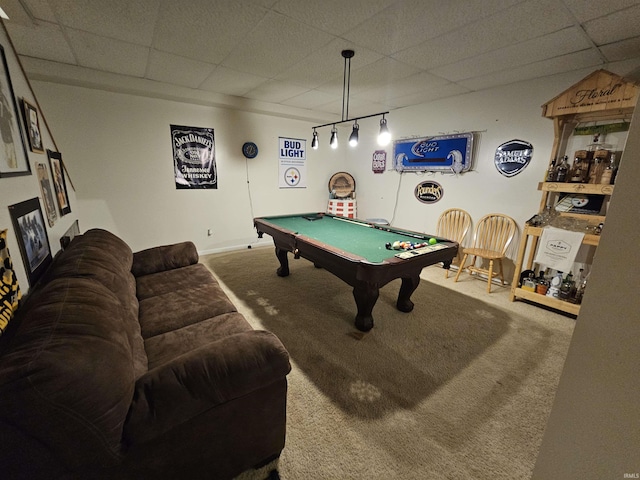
285	54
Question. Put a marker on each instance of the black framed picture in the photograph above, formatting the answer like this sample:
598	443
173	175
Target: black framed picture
59	184
14	159
32	125
33	241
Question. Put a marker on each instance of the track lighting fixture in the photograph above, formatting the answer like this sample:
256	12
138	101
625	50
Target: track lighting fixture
353	139
383	138
334	138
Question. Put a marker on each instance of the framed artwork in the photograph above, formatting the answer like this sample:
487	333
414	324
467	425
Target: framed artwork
32	124
47	193
31	233
57	172
14	159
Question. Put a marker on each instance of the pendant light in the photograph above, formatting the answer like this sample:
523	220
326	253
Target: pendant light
383	138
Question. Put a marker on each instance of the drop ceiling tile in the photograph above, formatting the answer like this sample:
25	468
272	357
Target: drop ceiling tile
121	19
108	55
385	70
274	91
585	10
231	82
411	22
531	20
332	16
621	50
549	46
564	63
274	45
206	30
310	99
45	40
443	91
173	69
40	9
326	64
403	87
616	26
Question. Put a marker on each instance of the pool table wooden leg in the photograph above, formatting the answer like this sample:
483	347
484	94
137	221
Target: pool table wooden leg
283	271
409	285
366	296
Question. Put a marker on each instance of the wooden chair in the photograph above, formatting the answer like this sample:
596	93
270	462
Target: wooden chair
454	224
492	237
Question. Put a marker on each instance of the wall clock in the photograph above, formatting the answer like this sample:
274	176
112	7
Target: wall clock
250	150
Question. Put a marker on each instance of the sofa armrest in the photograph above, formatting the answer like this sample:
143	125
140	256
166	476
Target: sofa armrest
165	257
174	393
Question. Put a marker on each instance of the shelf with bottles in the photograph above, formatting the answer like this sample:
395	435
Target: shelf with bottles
536	288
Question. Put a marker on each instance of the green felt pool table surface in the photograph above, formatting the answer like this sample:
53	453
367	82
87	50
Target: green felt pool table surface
354	236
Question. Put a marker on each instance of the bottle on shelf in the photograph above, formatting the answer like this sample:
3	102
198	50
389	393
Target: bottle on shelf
562	170
581	286
609	173
567	288
551	172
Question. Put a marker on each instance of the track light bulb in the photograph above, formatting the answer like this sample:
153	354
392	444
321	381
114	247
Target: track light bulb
334	138
384	137
314	141
353	139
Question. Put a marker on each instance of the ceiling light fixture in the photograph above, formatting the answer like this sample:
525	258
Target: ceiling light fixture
334	138
353	139
384	135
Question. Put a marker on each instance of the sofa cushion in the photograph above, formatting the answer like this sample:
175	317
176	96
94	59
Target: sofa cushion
165	347
105	258
179	308
67	377
164	257
183	278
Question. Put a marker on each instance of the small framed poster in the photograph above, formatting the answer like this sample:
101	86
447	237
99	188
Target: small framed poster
59	184
31	233
32	124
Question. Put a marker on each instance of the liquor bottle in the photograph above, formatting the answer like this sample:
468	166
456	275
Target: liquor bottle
582	285
580	168
566	287
562	170
551	172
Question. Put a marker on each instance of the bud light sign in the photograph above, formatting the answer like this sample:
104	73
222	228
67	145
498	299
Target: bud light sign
513	157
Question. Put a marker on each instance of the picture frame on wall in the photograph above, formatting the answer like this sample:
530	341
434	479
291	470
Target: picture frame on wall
59	184
47	193
30	230
32	125
14	159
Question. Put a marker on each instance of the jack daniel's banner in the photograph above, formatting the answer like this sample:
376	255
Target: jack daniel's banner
194	157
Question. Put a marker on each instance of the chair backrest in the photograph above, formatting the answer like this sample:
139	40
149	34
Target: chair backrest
494	232
453	224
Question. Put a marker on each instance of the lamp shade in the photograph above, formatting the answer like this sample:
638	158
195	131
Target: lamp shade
384	137
334	138
353	138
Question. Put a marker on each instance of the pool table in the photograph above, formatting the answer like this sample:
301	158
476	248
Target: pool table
356	251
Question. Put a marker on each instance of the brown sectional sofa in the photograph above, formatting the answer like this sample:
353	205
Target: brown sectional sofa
132	366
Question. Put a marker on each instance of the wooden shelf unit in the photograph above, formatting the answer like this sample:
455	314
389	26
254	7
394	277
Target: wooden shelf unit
599	97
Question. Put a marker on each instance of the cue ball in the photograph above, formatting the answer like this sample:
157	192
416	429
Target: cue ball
432	241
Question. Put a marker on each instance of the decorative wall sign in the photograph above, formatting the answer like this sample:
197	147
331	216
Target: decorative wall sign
31	233
14	159
293	163
10	293
57	172
379	164
429	192
512	157
447	153
194	157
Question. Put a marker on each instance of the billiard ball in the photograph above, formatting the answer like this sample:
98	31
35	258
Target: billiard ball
432	241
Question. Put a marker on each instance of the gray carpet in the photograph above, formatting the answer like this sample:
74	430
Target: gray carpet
460	388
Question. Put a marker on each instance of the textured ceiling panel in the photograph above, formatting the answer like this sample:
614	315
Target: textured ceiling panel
284	55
